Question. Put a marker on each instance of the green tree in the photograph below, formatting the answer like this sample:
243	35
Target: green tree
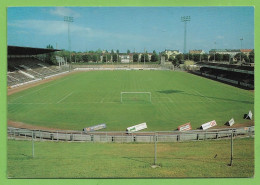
180	57
51	57
171	58
211	57
166	56
86	58
128	51
252	57
95	58
196	57
114	57
144	56
135	57
175	62
154	57
204	57
237	56
226	57
218	57
188	56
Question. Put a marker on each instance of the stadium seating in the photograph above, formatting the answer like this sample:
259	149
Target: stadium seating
25	69
242	76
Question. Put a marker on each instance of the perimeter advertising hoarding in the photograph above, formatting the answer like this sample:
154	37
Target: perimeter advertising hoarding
135	128
184	127
231	122
208	125
94	128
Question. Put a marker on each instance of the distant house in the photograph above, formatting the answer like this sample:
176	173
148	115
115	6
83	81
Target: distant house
124	57
171	52
200	52
246	51
231	52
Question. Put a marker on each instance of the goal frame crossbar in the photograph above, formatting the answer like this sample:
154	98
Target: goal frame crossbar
136	93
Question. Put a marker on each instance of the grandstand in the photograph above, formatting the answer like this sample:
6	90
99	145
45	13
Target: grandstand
237	75
25	65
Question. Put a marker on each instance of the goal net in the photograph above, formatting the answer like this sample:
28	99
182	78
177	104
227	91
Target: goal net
136	97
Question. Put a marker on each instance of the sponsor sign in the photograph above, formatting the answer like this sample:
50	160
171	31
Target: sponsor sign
184	127
136	128
250	115
231	122
208	125
94	128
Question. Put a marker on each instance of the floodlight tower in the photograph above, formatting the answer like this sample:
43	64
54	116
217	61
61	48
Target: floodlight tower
69	20
185	19
215	52
241	49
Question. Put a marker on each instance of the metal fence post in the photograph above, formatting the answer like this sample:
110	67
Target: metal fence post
155	149
231	156
32	146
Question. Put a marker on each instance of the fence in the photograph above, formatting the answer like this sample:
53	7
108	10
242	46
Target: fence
123	137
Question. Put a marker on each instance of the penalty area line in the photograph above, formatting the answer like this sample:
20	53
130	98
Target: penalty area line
65	97
203	95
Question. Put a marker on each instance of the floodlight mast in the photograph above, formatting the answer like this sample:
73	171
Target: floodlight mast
69	20
215	52
185	19
241	49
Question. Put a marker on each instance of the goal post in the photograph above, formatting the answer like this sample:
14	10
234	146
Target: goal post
136	96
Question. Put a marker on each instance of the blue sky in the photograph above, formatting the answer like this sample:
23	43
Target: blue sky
133	28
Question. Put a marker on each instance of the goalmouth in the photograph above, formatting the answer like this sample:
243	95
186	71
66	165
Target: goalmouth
136	97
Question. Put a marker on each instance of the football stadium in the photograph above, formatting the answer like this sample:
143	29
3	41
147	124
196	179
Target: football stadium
107	114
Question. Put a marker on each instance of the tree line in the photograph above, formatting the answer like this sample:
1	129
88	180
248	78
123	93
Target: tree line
95	56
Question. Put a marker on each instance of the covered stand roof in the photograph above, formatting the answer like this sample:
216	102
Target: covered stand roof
18	50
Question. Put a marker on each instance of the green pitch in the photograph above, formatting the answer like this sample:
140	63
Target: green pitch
89	98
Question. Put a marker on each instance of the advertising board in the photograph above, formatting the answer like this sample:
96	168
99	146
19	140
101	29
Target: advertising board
135	128
208	125
184	127
94	128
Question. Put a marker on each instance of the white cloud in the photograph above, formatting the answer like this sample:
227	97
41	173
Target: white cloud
220	37
63	11
45	27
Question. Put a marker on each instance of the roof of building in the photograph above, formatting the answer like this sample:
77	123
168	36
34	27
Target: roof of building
224	50
246	50
18	50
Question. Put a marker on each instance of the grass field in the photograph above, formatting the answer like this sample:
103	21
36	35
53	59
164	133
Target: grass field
103	160
84	99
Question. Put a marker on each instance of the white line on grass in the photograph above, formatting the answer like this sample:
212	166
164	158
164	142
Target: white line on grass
65	97
203	95
71	103
38	89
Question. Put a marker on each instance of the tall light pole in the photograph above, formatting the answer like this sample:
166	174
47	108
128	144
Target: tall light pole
241	49
69	20
215	52
144	56
185	19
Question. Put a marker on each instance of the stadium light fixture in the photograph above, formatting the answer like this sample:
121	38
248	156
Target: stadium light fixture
185	19
241	49
69	20
215	52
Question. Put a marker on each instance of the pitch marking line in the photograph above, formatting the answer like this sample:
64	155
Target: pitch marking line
38	89
203	95
65	97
